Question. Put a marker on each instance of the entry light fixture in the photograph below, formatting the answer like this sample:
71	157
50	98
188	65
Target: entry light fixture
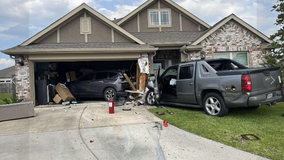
20	60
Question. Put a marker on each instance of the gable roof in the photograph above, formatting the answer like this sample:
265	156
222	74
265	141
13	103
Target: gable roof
149	2
224	21
7	72
72	13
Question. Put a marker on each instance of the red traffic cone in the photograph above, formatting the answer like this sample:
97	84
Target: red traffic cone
165	123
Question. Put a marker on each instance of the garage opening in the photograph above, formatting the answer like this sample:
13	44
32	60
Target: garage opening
88	80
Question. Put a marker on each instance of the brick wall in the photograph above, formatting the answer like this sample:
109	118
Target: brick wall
22	79
232	37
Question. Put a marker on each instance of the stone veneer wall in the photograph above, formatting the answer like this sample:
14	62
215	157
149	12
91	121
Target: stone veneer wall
22	79
232	37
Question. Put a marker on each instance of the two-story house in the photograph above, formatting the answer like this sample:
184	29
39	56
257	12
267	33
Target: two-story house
168	33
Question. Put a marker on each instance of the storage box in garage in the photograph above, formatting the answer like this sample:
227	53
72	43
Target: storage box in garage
57	99
73	76
67	76
64	92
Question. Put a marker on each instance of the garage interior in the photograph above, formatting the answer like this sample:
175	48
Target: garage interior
48	74
51	73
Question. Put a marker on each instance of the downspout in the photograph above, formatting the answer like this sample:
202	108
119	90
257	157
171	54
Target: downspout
183	50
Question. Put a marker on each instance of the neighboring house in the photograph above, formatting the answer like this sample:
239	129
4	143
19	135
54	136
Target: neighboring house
6	79
160	28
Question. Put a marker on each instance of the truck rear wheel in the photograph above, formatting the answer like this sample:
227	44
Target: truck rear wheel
213	104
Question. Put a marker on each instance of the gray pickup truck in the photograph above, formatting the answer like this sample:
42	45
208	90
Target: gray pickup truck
216	86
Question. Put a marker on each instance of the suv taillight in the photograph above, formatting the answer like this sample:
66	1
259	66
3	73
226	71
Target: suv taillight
246	83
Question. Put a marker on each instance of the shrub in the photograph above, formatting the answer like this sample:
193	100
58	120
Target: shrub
11	100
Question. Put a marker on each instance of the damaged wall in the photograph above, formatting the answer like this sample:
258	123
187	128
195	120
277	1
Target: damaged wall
232	37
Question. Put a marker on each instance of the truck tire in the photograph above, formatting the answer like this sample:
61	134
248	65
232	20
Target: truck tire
150	98
213	104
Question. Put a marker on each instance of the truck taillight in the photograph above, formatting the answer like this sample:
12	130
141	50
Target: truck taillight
246	83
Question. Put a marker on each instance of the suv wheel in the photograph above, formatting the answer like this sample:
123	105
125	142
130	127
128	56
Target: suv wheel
109	94
213	104
150	98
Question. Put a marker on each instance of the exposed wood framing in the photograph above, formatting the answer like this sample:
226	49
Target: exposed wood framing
143	82
138	74
129	81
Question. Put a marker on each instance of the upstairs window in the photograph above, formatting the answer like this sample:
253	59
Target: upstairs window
159	18
165	18
154	18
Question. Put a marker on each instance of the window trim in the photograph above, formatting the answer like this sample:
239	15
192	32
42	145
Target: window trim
159	13
231	56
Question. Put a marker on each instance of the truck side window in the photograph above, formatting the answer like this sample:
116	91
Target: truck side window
186	72
204	68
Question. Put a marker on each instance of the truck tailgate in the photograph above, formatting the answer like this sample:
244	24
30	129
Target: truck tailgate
265	79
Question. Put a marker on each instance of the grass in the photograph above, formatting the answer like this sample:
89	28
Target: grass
265	122
5	95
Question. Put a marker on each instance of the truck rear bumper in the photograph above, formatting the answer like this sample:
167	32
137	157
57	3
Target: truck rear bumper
263	99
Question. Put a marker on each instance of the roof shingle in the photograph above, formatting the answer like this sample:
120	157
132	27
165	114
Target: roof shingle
168	37
79	46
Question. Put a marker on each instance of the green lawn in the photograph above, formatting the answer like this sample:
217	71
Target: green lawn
6	95
266	122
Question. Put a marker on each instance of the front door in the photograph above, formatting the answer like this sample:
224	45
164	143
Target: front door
185	84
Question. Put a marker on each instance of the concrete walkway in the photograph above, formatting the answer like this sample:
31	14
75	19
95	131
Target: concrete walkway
55	133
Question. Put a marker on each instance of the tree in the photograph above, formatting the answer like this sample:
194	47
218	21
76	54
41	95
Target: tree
276	58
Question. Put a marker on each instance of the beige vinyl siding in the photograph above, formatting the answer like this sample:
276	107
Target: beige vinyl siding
100	32
144	23
52	38
118	38
71	30
188	25
131	25
175	22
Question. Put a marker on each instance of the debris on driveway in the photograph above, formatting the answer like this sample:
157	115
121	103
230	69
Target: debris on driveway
160	113
170	112
245	136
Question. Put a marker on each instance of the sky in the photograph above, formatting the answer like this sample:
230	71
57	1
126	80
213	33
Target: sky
21	19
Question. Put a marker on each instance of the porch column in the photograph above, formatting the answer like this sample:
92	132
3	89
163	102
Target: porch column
32	81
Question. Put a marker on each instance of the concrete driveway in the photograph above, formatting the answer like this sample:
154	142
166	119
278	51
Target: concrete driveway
87	131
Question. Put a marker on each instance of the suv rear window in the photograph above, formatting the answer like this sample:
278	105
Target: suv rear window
101	75
112	75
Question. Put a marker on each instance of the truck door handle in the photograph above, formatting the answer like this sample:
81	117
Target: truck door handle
189	83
